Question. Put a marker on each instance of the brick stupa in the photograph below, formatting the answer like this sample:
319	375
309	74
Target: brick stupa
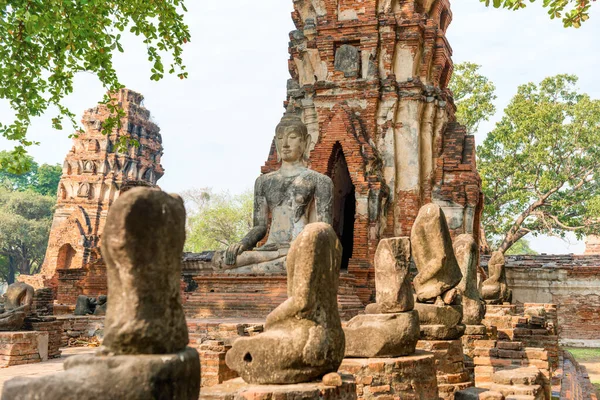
94	175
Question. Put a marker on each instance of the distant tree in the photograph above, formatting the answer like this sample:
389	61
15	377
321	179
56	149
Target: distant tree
572	12
540	166
474	96
42	179
25	220
217	220
45	43
46	179
522	247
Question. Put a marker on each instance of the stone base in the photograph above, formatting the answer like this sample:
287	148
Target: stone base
440	322
254	296
17	348
135	377
441	332
452	375
407	378
382	335
239	390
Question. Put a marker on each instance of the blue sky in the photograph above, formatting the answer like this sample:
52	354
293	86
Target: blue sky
217	125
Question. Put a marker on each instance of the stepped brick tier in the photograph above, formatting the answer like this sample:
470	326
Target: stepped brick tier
251	295
239	390
407	378
371	81
493	356
94	175
23	347
452	376
514	324
569	280
472	334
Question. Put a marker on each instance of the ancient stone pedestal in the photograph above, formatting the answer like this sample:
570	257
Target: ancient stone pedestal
452	375
132	377
239	390
407	378
21	347
253	295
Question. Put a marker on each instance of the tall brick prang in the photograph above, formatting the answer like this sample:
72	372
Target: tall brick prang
370	79
95	173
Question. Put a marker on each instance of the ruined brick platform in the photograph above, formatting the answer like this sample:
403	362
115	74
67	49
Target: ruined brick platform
213	368
239	390
80	326
407	378
253	295
23	347
452	375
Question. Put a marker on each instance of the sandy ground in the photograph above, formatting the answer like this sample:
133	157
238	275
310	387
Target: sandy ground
41	369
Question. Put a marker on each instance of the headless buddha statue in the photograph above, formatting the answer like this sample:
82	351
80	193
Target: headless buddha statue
294	196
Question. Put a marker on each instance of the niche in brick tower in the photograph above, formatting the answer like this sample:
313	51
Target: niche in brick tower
344	202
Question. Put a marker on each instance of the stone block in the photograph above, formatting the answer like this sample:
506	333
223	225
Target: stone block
239	390
92	377
382	335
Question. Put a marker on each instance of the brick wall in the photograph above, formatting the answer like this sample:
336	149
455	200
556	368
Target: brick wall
572	282
86	327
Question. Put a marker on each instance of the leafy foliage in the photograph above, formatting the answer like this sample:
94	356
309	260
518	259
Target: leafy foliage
46	42
572	12
42	179
217	220
540	166
25	220
520	248
474	95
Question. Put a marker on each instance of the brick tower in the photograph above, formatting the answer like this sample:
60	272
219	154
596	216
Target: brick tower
94	175
371	80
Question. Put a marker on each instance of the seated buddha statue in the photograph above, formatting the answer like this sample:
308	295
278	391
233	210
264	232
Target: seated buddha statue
293	196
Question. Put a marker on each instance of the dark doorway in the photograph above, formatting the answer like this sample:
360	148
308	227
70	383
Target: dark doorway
344	203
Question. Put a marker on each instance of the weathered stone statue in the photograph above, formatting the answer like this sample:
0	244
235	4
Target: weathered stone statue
438	299
144	353
17	305
303	338
390	327
101	305
494	290
89	305
294	196
467	256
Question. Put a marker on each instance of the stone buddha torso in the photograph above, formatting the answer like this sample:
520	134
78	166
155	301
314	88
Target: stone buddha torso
291	197
293	202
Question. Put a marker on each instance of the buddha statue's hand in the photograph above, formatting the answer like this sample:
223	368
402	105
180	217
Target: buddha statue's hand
233	251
